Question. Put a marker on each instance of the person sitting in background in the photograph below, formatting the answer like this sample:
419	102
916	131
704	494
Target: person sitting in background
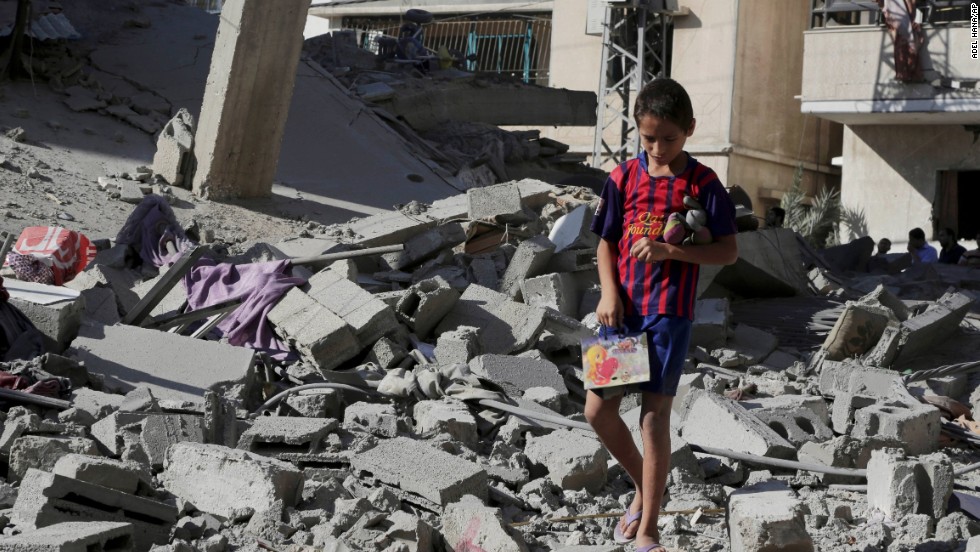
921	251
951	251
884	246
972	257
775	217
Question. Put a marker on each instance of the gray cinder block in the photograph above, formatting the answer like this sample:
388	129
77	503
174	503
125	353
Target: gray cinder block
219	480
320	336
573	461
48	499
395	463
74	537
767	516
529	260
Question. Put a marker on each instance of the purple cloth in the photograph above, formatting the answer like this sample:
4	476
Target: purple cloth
260	284
149	227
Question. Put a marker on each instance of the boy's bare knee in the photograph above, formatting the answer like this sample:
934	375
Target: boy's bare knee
599	411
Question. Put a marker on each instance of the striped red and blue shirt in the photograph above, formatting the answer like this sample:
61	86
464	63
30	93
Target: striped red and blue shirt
635	205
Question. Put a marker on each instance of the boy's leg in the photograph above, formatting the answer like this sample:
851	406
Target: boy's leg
655	429
603	416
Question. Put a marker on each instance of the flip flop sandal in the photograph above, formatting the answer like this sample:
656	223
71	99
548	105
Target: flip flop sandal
651	547
618	535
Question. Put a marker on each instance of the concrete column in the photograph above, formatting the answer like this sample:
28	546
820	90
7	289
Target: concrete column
246	101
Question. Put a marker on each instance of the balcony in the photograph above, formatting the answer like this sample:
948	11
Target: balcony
849	73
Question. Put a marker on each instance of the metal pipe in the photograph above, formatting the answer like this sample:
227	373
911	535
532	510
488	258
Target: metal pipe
347	254
280	396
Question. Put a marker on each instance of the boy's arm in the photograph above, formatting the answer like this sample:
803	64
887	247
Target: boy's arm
723	251
610	309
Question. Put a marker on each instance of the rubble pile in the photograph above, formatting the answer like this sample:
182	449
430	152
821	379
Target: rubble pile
453	114
431	399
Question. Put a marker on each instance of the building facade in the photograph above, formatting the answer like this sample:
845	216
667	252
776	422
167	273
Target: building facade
910	153
741	61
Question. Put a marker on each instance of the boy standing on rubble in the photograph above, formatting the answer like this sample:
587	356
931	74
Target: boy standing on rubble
649	285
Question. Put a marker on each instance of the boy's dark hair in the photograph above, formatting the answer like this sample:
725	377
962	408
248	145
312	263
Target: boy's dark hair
917	233
951	233
665	99
885	241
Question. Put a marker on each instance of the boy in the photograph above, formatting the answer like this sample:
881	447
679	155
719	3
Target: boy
649	285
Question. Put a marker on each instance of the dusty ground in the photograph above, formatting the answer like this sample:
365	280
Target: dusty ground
49	174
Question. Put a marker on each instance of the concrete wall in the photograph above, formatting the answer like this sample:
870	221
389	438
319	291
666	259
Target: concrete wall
750	129
890	171
857	63
575	61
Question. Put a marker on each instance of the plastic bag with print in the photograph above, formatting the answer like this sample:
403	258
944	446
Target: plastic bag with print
613	358
50	254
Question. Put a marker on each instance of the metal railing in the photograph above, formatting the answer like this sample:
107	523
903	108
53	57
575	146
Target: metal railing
518	46
836	13
210	6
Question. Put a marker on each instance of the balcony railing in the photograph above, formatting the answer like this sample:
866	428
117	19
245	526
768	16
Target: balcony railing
836	13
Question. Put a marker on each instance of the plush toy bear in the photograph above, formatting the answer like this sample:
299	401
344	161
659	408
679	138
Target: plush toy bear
688	227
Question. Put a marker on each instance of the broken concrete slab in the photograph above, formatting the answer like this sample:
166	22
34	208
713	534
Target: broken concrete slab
501	201
167	363
469	524
74	537
516	374
722	422
769	265
767	516
58	321
378	419
426	107
274	435
572	460
48	499
159	432
219	480
505	326
749	346
395	463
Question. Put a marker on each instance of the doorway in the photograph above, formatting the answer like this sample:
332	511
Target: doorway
956	193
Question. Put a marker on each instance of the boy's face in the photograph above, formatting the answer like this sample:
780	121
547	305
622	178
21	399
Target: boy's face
663	141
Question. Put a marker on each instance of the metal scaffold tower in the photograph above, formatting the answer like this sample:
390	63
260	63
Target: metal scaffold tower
636	40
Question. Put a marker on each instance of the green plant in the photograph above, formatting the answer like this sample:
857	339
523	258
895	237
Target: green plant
817	222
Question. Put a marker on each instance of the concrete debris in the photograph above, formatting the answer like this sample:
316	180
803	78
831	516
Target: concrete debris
75	537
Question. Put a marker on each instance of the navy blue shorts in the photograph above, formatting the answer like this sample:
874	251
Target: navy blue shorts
668	338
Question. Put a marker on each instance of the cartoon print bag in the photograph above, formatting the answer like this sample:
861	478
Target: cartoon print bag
614	358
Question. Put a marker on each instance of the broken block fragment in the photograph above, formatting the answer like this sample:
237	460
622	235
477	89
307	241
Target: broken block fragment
48	499
722	422
397	464
573	460
369	317
74	537
320	336
529	260
219	480
469	524
767	516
